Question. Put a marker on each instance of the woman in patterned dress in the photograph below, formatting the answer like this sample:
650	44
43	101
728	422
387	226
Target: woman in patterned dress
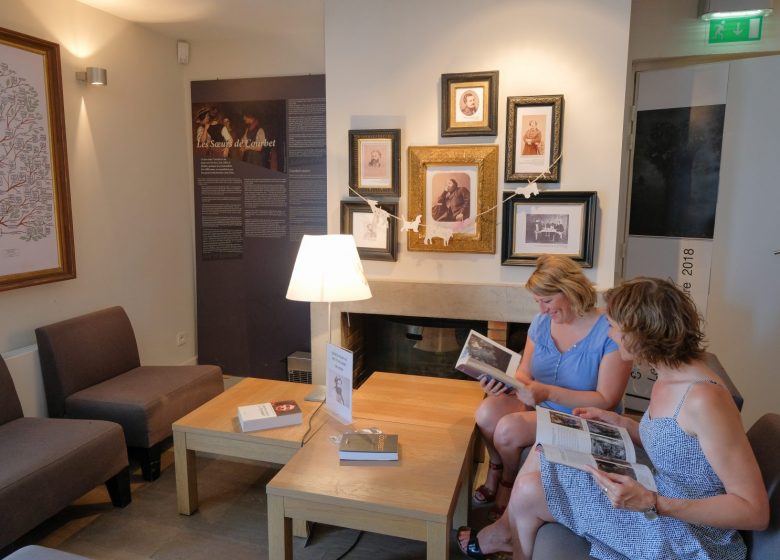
709	484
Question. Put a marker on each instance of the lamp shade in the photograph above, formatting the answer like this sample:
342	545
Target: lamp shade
328	268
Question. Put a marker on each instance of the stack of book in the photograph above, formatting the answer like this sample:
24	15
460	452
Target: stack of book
274	414
356	446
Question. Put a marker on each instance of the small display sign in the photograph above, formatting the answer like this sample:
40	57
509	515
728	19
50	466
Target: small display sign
735	30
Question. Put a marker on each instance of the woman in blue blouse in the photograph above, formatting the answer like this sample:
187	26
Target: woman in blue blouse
568	361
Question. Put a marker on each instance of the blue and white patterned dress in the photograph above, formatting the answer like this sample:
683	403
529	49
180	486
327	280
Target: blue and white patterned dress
681	471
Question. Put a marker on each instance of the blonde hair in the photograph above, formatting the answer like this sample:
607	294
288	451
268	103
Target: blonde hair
556	274
659	321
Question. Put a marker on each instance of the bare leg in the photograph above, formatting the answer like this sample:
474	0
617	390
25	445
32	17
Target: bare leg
488	414
513	432
527	509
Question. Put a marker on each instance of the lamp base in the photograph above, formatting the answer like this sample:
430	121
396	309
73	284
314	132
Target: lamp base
317	394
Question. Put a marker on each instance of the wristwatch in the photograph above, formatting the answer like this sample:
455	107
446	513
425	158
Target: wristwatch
651	513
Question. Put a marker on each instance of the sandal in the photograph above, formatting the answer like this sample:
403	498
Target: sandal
472	549
483	494
498	511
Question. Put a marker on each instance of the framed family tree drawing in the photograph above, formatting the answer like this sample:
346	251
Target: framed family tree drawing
374	236
561	223
469	104
533	138
451	189
375	162
36	231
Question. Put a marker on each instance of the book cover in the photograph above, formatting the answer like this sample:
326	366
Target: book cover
368	447
482	356
274	414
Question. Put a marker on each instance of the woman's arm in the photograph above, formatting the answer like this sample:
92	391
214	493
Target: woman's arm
710	415
612	380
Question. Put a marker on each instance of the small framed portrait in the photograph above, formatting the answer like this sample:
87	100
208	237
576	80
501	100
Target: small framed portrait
560	223
451	189
375	162
533	138
469	104
375	235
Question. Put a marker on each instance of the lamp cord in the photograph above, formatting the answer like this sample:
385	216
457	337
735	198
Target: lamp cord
308	429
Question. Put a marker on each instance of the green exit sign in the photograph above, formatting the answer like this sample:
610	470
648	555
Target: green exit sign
735	30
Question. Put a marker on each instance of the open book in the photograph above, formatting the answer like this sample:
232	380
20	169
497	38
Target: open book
575	442
482	356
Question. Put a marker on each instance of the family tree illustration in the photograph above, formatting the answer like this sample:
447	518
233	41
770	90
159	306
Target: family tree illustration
26	200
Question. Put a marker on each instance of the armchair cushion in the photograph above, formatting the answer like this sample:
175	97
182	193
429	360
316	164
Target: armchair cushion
10	407
146	400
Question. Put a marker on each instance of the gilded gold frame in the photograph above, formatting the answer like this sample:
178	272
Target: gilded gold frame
34	168
483	159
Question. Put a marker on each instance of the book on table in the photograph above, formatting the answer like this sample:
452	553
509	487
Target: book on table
575	442
274	414
356	446
482	356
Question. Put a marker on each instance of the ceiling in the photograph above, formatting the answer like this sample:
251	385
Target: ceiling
211	20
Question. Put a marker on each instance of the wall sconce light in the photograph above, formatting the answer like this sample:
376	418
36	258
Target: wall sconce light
93	76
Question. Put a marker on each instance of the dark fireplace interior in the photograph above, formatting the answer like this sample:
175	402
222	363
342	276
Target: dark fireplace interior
415	345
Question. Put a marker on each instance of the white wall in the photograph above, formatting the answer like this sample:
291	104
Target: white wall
384	60
129	190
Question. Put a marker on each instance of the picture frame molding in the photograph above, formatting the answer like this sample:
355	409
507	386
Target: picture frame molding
551	172
451	81
589	201
58	182
350	207
482	156
393	135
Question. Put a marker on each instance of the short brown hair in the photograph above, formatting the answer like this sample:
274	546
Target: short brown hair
659	319
556	274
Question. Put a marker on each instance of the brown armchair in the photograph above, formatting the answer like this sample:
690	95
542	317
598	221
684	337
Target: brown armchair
91	369
46	463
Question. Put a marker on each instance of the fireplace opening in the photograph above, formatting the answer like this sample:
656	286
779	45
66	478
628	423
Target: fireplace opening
417	345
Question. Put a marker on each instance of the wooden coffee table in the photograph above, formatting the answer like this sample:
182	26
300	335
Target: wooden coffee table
417	497
213	428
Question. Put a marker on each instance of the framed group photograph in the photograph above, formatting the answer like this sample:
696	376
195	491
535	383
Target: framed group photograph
375	162
533	138
451	189
559	223
36	229
469	104
375	237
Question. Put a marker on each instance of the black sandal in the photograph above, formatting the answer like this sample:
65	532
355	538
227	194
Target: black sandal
472	550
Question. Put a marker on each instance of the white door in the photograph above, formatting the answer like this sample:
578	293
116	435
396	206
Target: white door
740	274
743	316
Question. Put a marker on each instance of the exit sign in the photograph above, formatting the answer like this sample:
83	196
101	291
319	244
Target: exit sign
735	30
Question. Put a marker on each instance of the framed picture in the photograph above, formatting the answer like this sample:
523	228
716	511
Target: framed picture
375	162
36	230
533	138
469	103
375	238
561	223
451	189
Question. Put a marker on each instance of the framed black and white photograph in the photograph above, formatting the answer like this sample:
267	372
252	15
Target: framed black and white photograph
559	223
469	104
375	162
533	138
374	233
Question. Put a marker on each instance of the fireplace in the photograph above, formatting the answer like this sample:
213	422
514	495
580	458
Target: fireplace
497	306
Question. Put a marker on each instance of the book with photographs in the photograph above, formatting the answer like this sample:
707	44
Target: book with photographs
482	356
575	442
274	414
356	446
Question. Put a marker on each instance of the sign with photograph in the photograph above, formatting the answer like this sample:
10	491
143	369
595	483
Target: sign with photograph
338	382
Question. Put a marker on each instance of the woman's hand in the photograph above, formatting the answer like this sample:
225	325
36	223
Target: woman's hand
532	393
623	491
607	416
493	387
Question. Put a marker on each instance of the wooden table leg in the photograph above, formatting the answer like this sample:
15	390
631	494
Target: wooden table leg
279	530
461	515
186	477
438	541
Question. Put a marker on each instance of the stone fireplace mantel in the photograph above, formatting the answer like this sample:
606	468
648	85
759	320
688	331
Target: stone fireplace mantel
510	303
